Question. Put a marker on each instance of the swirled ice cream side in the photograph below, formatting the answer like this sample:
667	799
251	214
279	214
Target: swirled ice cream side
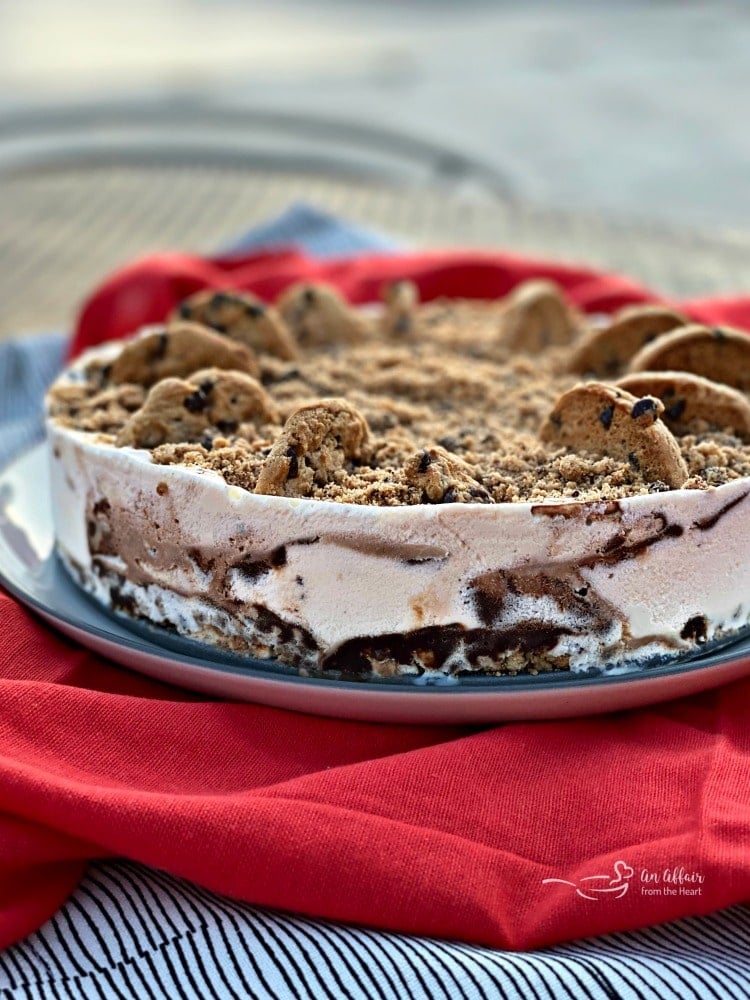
359	590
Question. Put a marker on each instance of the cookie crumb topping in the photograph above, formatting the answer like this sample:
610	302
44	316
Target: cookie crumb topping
447	401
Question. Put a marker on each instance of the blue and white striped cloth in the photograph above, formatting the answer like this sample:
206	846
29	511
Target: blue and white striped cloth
130	932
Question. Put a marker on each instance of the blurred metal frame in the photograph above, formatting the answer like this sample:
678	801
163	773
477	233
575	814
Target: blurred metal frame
171	130
85	188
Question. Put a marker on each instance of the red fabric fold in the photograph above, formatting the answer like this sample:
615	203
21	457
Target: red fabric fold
146	290
428	830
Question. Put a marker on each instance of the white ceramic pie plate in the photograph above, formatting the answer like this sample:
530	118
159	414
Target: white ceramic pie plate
30	570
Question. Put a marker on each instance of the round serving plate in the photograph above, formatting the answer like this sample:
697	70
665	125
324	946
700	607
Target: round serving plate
30	570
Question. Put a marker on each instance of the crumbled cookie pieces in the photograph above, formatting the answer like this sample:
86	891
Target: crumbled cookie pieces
692	402
443	478
238	462
605	351
536	316
178	350
317	316
185	410
444	411
714	459
104	411
717	353
599	418
401	300
242	317
317	441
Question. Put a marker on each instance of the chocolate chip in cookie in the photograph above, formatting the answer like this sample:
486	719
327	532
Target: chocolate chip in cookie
693	403
605	420
536	316
443	478
243	317
605	351
718	353
318	440
317	315
177	350
184	410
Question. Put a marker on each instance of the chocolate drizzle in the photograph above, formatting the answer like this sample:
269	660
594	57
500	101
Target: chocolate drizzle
446	648
706	523
599	511
122	602
202	560
620	547
284	632
495	594
98	529
695	629
253	569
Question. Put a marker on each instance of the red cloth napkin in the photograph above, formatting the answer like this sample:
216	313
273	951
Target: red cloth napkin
437	831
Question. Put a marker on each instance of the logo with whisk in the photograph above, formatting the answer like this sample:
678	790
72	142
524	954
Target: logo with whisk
599	887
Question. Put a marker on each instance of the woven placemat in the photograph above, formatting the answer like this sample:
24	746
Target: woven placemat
64	228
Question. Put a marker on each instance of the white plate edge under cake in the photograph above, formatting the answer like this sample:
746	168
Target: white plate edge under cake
30	570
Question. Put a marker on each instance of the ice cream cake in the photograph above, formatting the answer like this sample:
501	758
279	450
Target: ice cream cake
422	489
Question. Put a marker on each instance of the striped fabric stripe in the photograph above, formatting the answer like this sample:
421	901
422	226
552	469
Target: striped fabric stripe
129	931
320	234
26	369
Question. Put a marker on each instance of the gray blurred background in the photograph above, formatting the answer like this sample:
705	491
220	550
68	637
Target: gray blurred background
628	107
610	133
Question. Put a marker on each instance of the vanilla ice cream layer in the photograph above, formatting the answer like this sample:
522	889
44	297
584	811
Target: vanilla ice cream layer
416	589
